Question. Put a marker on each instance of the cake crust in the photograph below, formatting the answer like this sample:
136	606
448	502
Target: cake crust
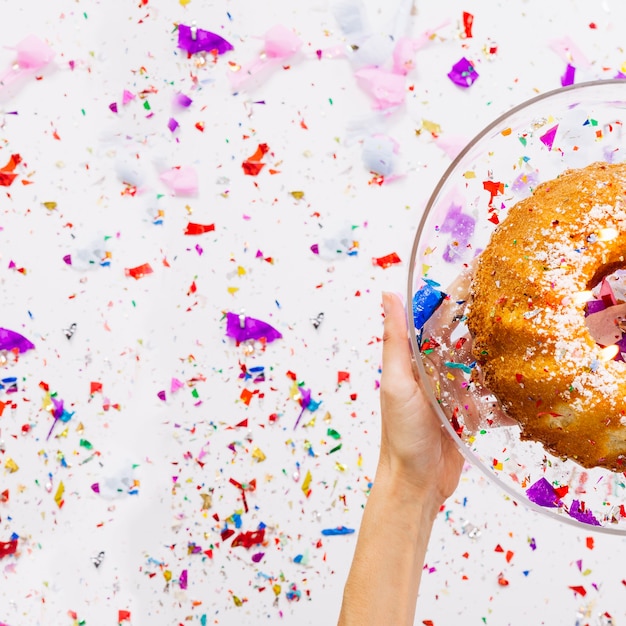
527	317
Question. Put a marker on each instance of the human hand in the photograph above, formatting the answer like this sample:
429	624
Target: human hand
415	448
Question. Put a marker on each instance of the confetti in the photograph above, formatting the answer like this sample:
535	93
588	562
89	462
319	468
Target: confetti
11	340
242	328
463	73
426	301
193	40
339	530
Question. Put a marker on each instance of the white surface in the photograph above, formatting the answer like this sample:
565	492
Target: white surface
135	336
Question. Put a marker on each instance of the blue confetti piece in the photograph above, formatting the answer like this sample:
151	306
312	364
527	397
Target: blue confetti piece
425	302
461	366
340	530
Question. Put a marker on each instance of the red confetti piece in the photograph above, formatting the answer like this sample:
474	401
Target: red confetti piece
123	616
468	22
343	377
502	581
8	547
198	229
589	543
387	260
252	165
138	272
494	188
561	492
249	538
4	496
95	387
579	590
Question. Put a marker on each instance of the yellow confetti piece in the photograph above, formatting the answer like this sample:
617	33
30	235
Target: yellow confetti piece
276	588
294	392
298	195
50	205
11	465
58	496
307	482
237	601
469	174
241	270
207	501
431	127
258	455
340	467
167	574
184	3
232	290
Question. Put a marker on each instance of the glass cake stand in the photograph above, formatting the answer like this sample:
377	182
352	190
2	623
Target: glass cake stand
534	142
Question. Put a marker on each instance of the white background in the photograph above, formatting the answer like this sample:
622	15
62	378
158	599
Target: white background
135	336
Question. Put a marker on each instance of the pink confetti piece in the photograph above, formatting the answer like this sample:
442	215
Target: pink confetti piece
386	89
280	44
181	181
569	52
603	325
548	137
182	581
33	54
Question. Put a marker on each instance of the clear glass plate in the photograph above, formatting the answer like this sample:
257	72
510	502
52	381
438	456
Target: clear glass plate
566	128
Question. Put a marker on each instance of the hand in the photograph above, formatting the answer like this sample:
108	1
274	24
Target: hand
415	447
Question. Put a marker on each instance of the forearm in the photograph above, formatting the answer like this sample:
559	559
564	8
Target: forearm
384	579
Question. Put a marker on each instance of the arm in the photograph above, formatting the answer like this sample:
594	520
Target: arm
418	468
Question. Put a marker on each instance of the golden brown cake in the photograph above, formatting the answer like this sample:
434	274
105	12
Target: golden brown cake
526	315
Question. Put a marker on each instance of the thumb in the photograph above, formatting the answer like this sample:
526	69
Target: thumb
397	367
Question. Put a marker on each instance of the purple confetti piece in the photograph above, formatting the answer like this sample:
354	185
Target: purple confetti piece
594	306
586	517
548	137
528	179
461	227
463	73
10	340
543	494
172	124
182	101
203	41
242	328
568	77
182	581
257	557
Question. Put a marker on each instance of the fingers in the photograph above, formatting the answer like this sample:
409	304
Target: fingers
397	357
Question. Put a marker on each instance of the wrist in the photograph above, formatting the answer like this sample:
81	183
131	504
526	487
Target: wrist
425	501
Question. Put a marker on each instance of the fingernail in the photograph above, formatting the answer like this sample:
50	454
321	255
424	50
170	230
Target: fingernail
386	302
